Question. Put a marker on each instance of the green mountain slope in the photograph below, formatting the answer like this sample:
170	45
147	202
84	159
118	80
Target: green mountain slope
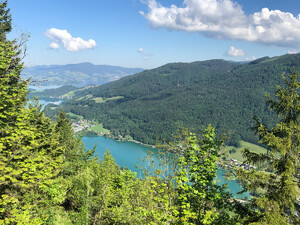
152	104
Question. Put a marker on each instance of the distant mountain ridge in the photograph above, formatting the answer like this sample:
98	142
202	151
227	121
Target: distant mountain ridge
151	104
80	74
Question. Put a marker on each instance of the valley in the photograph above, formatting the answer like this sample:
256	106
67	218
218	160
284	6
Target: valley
151	105
182	94
206	134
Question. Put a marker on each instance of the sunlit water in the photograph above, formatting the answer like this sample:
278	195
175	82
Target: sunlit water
129	155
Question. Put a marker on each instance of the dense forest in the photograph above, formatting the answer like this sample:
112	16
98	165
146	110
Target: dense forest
152	104
48	177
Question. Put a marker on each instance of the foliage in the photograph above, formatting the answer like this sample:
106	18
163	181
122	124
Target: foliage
5	25
99	192
48	177
235	141
224	94
186	174
279	202
30	155
200	200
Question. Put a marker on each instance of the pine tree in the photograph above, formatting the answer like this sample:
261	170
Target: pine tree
75	172
5	24
30	155
278	203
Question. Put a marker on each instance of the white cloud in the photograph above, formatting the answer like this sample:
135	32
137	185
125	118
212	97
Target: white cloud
234	52
54	45
72	44
226	19
143	53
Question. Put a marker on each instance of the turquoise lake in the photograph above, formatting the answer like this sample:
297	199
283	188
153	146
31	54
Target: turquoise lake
130	154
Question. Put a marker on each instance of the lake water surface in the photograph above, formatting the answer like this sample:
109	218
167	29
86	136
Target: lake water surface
130	154
41	87
127	154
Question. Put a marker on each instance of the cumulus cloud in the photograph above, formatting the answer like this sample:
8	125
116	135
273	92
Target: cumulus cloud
226	19
234	52
60	38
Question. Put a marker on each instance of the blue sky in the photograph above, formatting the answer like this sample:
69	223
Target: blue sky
149	33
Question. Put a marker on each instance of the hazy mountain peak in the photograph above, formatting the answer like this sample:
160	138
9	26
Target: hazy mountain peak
79	74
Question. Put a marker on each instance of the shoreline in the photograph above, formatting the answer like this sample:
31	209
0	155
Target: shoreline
82	132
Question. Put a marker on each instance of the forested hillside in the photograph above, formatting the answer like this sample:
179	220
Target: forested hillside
48	177
152	104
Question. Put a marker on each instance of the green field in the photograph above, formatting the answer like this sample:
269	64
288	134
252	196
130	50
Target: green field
72	93
102	100
99	100
238	154
99	128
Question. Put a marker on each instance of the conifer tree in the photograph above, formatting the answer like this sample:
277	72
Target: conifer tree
5	24
279	201
30	155
75	171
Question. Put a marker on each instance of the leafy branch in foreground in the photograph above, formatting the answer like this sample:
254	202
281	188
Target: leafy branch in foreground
189	166
200	200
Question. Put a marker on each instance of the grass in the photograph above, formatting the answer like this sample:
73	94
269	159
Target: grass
99	128
238	154
102	100
99	100
72	93
84	97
